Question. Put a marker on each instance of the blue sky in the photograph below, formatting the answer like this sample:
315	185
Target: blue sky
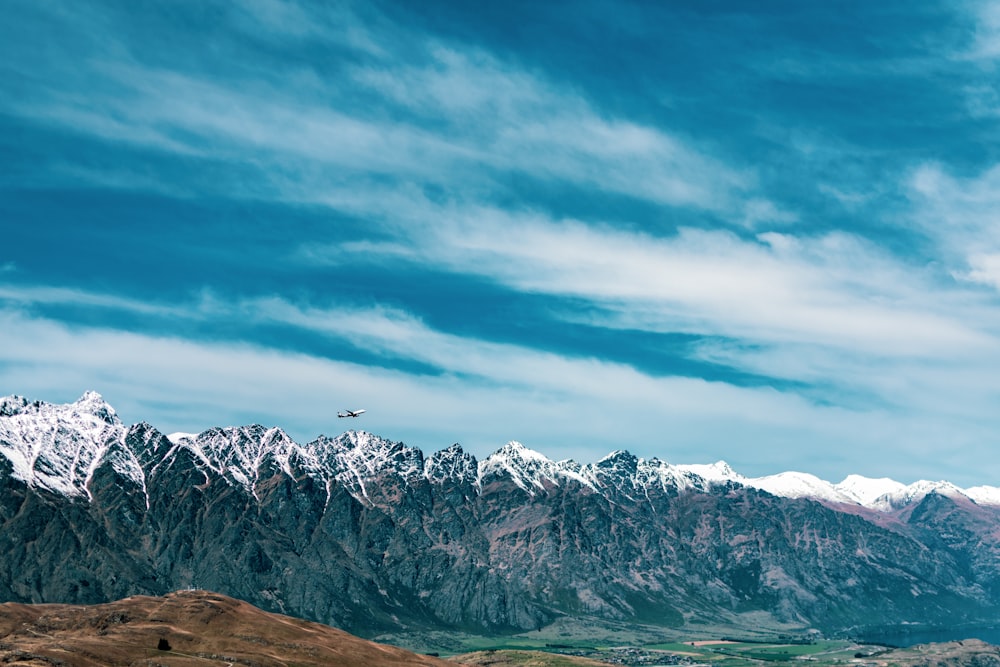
766	233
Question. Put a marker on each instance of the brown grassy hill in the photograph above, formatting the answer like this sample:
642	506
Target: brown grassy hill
200	628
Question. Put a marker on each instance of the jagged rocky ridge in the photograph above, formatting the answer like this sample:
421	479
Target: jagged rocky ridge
369	535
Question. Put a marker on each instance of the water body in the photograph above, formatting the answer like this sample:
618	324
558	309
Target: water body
904	637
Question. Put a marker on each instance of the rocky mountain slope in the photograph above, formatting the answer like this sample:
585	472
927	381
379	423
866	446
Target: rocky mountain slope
371	535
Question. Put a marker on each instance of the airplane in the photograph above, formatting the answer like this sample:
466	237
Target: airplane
350	413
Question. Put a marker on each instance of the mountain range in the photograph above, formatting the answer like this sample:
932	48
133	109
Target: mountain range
371	535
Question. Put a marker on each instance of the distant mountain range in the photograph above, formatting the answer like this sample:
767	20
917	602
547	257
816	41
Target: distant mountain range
371	535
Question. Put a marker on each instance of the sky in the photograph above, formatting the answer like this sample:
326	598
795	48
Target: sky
766	233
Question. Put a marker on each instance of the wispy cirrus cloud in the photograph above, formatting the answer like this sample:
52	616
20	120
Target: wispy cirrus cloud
979	54
985	39
466	115
962	216
519	121
835	289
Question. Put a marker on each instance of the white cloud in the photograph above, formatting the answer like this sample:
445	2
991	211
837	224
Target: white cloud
962	216
981	55
761	212
986	36
985	269
32	294
447	114
513	119
836	290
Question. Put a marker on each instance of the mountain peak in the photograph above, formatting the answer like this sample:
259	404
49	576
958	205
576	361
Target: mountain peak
93	403
528	469
867	490
617	457
58	447
452	463
794	484
718	472
916	492
515	450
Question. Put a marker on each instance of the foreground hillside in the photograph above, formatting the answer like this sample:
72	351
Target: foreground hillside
376	538
198	628
182	629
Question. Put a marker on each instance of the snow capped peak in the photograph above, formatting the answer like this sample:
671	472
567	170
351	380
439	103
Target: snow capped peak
239	452
527	468
718	472
94	404
361	444
619	460
452	463
883	494
984	495
357	459
654	472
866	490
58	447
800	485
616	456
907	495
515	451
362	440
635	477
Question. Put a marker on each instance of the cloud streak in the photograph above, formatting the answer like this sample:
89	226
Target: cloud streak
836	289
472	115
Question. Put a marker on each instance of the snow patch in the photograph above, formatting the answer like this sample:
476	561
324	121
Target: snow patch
799	485
984	495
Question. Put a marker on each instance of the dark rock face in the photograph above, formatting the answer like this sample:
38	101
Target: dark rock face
368	535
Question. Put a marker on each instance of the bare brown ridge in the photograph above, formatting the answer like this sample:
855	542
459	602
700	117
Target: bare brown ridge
196	628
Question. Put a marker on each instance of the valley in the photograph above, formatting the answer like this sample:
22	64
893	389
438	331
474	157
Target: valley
204	628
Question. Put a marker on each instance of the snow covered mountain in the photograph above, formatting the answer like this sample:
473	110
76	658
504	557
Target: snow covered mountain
370	534
58	447
881	494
